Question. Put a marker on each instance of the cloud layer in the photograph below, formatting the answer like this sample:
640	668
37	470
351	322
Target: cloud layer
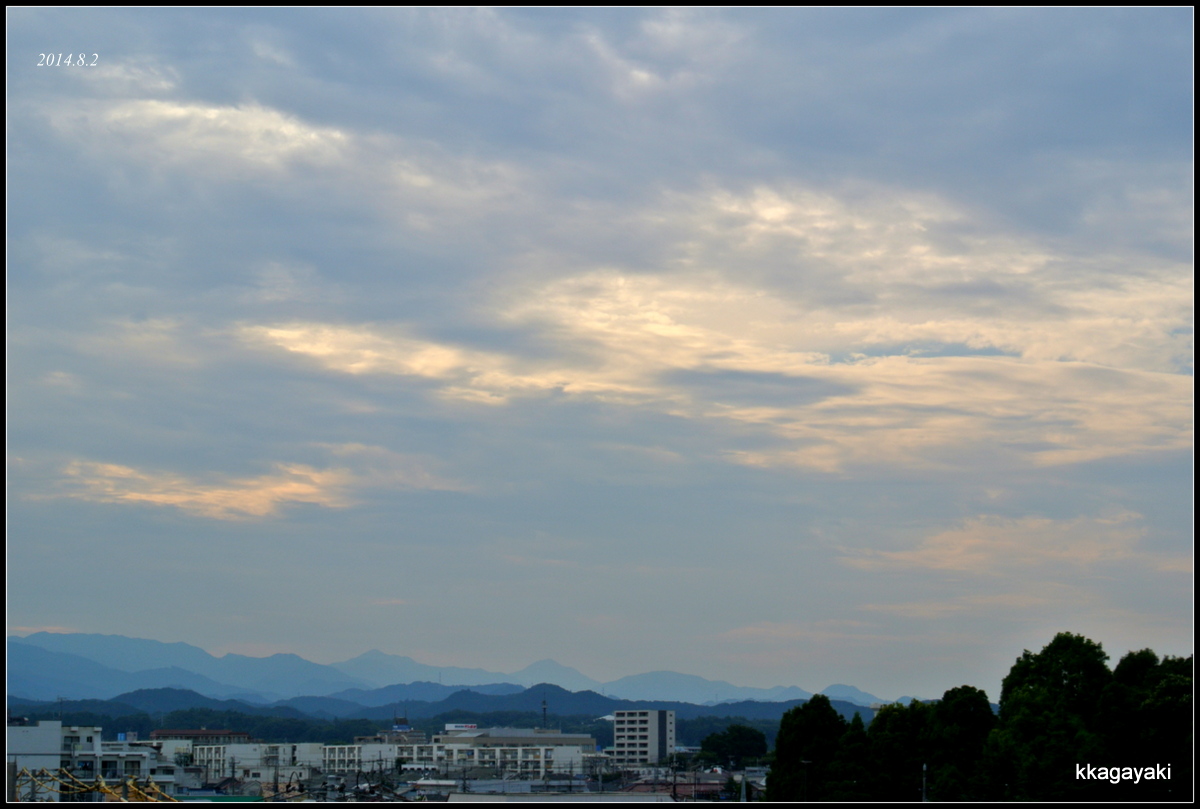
828	342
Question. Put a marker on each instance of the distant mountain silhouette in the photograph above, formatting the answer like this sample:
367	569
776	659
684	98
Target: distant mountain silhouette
549	671
125	654
659	685
271	678
102	666
851	694
165	700
559	702
418	692
379	669
38	674
153	701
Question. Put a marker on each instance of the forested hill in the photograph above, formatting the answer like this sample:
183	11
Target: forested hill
164	702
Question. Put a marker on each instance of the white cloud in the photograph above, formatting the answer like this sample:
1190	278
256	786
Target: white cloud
995	546
917	346
130	76
229	138
879	290
697	35
277	282
1024	601
152	341
227	498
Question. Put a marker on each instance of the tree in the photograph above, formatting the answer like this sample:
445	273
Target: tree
850	772
1049	720
735	745
1145	717
899	749
807	743
1070	672
961	724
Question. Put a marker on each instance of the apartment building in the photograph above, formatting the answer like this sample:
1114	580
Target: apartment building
201	735
259	760
523	752
79	750
366	757
642	738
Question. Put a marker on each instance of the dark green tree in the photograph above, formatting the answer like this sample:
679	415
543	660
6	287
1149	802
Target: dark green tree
1049	722
1146	719
850	772
960	726
807	744
736	745
899	749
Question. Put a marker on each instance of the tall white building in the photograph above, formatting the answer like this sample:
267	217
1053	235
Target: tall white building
35	748
643	738
52	746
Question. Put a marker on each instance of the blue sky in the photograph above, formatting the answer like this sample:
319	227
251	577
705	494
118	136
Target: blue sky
779	347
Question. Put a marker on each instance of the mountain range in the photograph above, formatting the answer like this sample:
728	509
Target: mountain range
49	666
462	703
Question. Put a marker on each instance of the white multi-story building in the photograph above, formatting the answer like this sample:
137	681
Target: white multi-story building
259	761
642	738
520	752
523	752
34	748
366	757
79	750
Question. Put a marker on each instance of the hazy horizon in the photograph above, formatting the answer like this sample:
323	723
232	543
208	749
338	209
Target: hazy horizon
601	684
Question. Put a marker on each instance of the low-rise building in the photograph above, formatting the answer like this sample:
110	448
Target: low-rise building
522	752
366	757
259	761
201	735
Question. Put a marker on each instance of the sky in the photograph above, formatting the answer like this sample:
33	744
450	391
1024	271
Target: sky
781	347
